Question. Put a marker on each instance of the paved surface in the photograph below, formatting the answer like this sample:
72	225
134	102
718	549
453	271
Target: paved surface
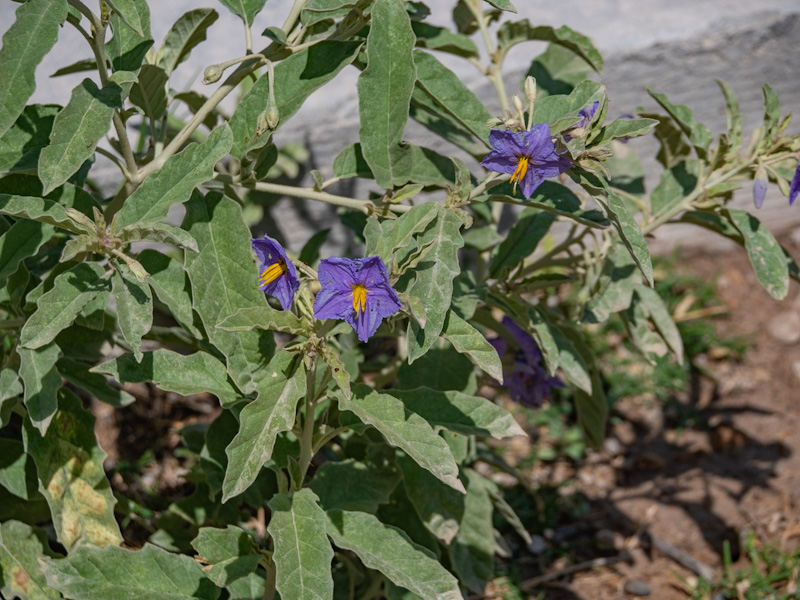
676	46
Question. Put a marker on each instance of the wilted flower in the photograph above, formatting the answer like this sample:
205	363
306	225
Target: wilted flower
759	186
794	189
526	380
528	156
356	290
278	275
586	114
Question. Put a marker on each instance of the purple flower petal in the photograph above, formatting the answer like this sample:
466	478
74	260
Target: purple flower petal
285	286
794	189
333	303
337	272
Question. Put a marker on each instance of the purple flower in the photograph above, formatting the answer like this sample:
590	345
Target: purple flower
795	187
759	186
278	275
586	114
528	156
356	290
526	380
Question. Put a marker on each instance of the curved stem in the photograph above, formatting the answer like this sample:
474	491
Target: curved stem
113	158
293	15
495	70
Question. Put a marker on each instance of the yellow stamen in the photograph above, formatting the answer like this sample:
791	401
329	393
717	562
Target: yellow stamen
272	272
359	298
522	168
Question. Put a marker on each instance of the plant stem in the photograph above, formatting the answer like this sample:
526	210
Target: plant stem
294	14
248	38
269	584
495	70
307	438
113	158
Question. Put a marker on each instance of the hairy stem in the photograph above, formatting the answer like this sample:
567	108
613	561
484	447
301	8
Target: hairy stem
294	14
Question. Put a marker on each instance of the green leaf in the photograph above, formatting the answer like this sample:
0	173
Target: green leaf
384	93
32	34
246	10
764	252
676	183
127	48
132	14
462	413
397	234
248	587
698	134
21	144
265	317
175	181
512	33
434	279
10	386
592	410
558	70
338	369
57	308
21	548
427	167
134	302
352	485
260	422
37	209
230	553
448	91
42	381
554	198
405	430
472	552
113	573
571	361
563	112
187	32
523	238
618	212
472	343
302	553
441	368
771	116
425	111
77	373
22	240
170	283
390	551
624	128
296	77
79	126
503	5
318	10
158	232
70	466
615	287
659	315
224	279
150	91
17	470
438	506
443	40
184	374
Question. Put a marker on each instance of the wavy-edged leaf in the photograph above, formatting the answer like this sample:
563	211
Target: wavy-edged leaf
150	91
187	32
472	552
184	374
39	374
520	242
405	430
462	413
170	283
22	240
260	422
558	70
113	573
57	308
78	374
175	181
296	77
764	252
515	32
127	48
134	302
384	92
398	233
21	548
21	144
624	128
79	126
264	317
443	40
472	343
246	10
389	550
425	111
353	485
32	34
303	553
69	463
158	232
229	553
37	209
698	134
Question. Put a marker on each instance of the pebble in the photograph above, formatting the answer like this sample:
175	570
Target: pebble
785	327
538	545
637	588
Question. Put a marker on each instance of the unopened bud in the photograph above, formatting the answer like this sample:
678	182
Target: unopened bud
759	185
272	117
530	89
494	122
262	124
212	74
518	105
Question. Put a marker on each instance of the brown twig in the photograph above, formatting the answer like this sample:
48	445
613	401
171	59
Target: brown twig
679	556
535	582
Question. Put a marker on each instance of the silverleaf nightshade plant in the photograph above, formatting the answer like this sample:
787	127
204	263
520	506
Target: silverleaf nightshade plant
278	273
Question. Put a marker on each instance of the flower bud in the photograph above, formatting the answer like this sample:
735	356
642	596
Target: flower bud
759	186
530	89
518	105
212	74
272	117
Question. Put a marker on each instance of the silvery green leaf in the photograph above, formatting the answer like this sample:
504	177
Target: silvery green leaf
78	374
353	485
38	209
520	242
170	283
472	551
676	183
472	343
127	48
764	252
132	15
388	550
246	10
624	128
158	232
187	32
21	144
32	34
150	91
134	302
183	374
515	32
21	548
264	317
303	553
22	240
69	463
38	373
698	134
405	430
229	553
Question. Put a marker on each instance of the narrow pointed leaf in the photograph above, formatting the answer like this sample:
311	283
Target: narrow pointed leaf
472	552
264	317
175	181
384	92
113	573
134	302
57	308
79	126
37	209
186	33
260	422
389	550
158	232
42	381
302	552
32	34
183	374
21	548
69	463
405	430
78	374
170	283
764	252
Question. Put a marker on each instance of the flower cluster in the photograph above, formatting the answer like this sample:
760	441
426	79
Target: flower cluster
526	380
356	290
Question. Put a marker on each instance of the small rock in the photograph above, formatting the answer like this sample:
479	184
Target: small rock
785	327
612	446
605	539
538	545
637	588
